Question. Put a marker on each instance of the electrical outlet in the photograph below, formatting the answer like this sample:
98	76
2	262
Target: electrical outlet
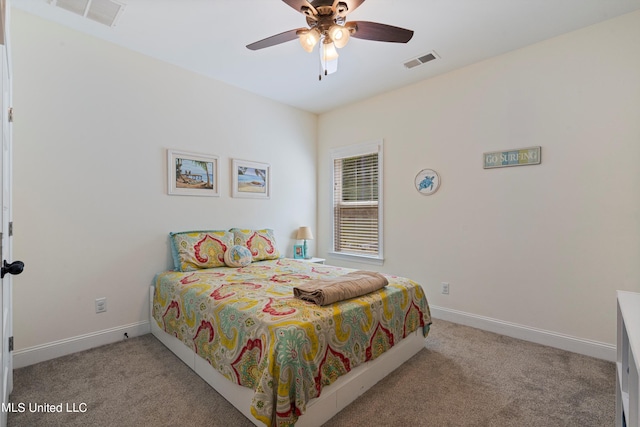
445	288
101	305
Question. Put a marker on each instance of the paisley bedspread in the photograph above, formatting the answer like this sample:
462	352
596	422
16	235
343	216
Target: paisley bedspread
247	324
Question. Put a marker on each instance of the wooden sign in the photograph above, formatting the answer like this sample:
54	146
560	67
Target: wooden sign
519	157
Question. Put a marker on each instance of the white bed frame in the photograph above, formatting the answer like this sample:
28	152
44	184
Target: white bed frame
333	398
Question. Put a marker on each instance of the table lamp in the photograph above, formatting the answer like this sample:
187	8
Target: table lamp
304	233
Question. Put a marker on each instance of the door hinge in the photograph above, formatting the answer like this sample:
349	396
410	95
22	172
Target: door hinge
10	343
10	114
11	229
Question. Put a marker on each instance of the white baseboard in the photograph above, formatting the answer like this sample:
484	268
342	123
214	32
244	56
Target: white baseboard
552	339
40	353
48	351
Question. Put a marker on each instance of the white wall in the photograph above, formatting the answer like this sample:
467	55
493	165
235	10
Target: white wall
544	247
91	210
540	246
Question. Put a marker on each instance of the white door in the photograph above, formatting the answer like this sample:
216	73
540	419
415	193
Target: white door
6	327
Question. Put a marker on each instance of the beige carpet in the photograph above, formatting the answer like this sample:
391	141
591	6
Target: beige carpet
464	377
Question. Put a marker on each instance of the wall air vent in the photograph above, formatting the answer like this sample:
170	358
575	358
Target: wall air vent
103	11
421	59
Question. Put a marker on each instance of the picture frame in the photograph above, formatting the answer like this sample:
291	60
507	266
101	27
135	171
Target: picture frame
250	179
298	252
192	174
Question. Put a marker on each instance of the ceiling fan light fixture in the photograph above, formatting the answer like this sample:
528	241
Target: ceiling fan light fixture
328	52
328	57
309	39
339	35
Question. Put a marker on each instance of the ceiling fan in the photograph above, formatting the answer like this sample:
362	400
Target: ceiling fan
328	27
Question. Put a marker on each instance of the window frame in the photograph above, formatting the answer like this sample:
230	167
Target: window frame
363	149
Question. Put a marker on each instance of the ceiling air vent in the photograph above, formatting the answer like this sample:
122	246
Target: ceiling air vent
103	11
421	59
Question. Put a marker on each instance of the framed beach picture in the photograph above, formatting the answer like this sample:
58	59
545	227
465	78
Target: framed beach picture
298	252
193	174
250	179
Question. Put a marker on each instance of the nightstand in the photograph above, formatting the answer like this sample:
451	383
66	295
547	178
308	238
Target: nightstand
313	260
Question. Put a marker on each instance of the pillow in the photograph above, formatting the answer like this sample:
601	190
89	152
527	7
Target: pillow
237	256
193	250
261	243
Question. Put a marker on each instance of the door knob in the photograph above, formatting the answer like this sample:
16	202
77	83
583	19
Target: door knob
15	267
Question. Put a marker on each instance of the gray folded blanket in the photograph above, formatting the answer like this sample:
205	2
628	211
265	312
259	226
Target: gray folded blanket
350	285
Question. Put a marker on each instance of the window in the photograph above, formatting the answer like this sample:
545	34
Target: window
357	201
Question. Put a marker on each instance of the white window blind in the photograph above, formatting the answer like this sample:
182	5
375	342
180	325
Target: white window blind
357	200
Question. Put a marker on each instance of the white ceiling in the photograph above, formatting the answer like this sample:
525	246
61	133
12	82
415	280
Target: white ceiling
209	37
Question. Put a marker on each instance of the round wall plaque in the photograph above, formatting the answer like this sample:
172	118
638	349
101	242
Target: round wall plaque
427	181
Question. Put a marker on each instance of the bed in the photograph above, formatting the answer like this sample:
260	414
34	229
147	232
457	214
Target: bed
278	359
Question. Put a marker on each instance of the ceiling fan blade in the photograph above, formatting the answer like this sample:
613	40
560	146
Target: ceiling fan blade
351	4
379	32
274	40
299	6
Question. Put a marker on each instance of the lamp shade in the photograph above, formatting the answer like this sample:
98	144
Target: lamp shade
309	39
339	35
304	233
328	51
328	57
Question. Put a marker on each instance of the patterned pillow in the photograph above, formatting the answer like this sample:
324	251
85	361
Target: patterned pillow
193	250
261	243
237	256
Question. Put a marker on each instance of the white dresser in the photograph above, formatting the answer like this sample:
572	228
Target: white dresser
627	360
